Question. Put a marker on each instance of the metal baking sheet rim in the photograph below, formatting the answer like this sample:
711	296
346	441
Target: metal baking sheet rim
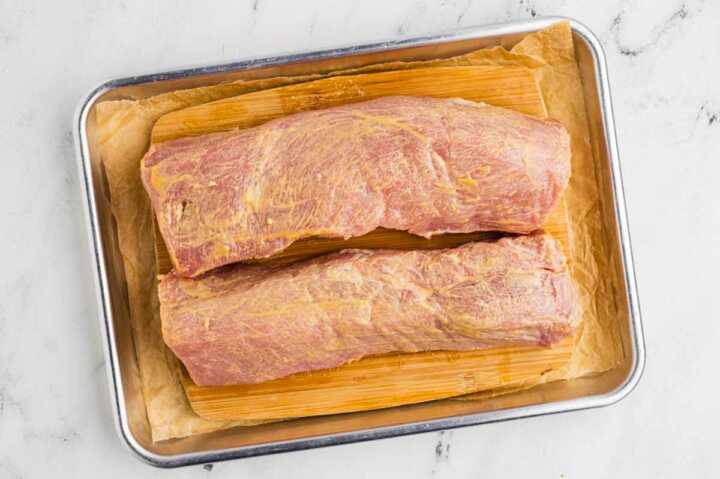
103	294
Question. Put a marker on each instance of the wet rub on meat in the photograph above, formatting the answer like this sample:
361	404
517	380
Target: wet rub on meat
424	165
249	324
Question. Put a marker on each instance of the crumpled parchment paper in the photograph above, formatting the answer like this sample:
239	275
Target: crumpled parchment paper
124	128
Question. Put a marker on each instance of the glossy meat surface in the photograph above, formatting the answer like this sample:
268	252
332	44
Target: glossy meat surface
424	165
249	324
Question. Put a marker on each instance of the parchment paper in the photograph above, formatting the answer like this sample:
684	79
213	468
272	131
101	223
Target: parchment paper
124	128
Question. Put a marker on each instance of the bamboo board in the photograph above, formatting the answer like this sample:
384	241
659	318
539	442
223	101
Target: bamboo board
509	87
376	383
382	381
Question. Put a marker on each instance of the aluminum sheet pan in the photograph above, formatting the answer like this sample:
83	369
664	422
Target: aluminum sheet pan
596	391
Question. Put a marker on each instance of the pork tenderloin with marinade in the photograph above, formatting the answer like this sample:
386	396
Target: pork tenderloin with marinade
424	165
253	323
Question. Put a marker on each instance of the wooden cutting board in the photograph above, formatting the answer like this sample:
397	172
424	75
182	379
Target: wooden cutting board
509	87
382	381
377	382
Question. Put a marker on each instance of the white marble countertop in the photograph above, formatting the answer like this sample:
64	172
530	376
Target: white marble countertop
55	416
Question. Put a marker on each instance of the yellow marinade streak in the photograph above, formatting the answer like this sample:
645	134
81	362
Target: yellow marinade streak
161	182
291	309
388	121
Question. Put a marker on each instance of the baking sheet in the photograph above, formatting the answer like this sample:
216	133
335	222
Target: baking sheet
124	130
